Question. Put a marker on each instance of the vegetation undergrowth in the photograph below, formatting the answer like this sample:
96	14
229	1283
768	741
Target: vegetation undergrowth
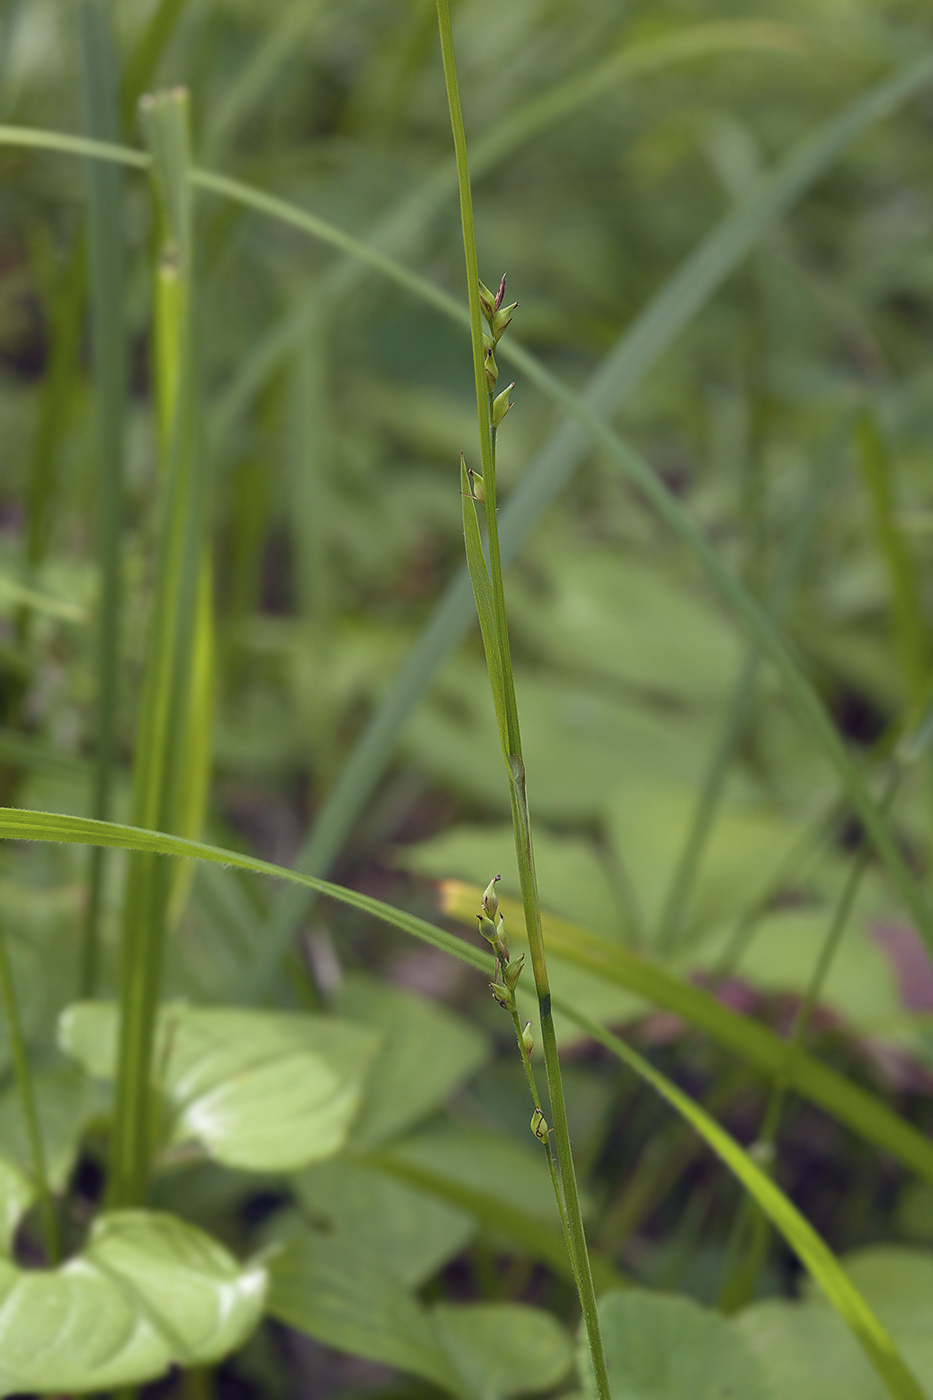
262	1126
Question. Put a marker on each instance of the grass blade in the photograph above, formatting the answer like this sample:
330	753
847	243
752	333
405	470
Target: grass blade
166	686
395	231
106	268
866	1115
909	627
753	1043
18	824
811	1250
637	351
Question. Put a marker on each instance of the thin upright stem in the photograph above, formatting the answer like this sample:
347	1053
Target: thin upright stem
551	1163
507	713
105	250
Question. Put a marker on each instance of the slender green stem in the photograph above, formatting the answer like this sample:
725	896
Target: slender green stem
105	248
27	1098
535	1099
507	713
163	710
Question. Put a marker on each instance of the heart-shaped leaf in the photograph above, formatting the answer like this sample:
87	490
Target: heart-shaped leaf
147	1291
259	1090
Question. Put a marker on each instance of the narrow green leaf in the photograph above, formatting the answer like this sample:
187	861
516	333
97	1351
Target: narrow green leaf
163	729
812	1251
485	607
109	352
504	1186
636	352
500	1349
910	630
865	1115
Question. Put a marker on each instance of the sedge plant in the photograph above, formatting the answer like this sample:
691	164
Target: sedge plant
489	594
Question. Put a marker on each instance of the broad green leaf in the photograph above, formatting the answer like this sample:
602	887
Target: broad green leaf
340	1294
426	1052
861	987
665	1348
582	746
65	1101
259	1090
606	614
865	1114
808	1353
502	1348
147	1291
16	1196
898	1283
648	822
411	1232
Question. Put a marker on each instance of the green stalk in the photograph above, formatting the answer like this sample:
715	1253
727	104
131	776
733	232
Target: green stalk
106	267
146	55
536	1100
494	625
27	1099
167	682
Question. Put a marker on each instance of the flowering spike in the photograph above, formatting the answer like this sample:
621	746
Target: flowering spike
487	301
539	1126
528	1040
490	899
488	930
502	995
513	972
501	406
489	361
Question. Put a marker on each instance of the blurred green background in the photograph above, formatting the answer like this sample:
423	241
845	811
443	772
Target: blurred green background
792	419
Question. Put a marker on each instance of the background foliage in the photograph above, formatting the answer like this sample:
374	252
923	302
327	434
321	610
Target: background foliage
376	1146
